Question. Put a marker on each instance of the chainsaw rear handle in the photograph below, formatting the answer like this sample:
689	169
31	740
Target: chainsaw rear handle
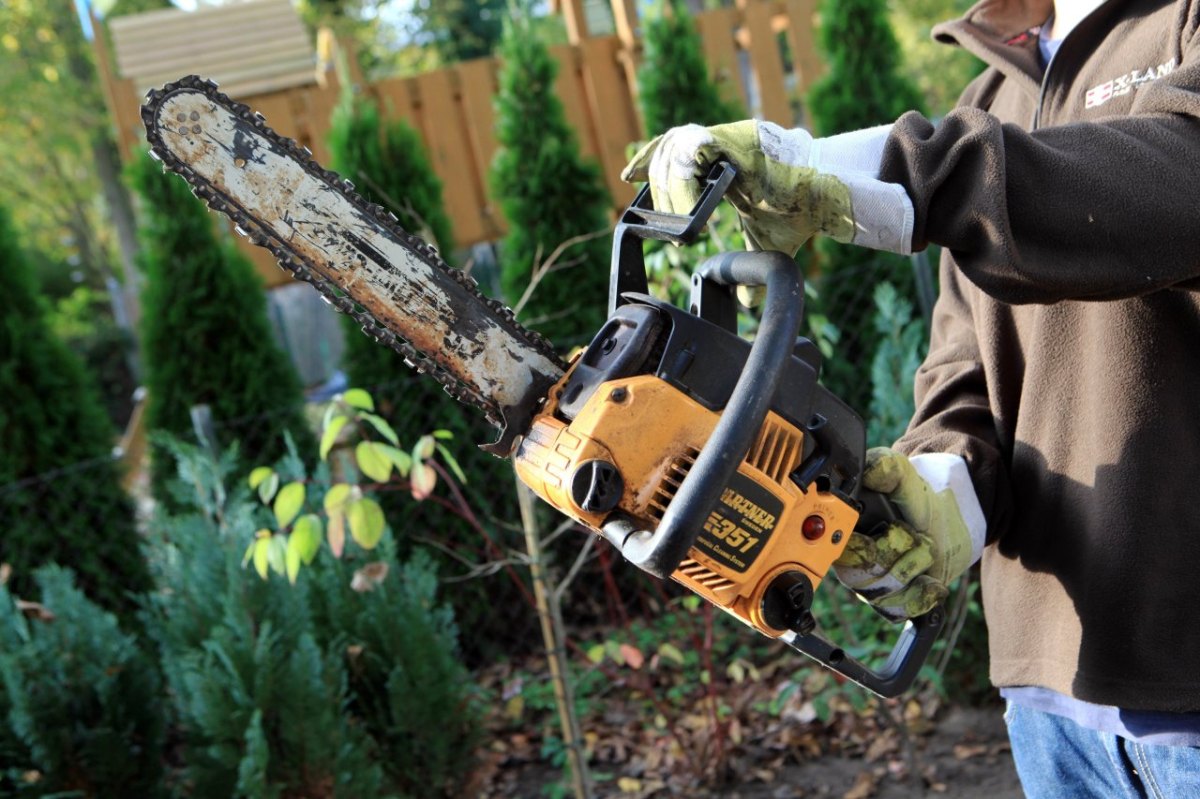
902	666
640	222
913	645
660	552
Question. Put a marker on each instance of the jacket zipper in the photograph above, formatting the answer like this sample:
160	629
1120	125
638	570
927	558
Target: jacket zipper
1037	111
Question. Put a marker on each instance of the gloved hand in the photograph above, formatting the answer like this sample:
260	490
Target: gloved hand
789	185
907	570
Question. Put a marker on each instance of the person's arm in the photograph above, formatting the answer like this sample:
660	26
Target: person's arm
953	412
1091	211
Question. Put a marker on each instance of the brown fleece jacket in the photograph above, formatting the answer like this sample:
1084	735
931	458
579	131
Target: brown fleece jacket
1064	363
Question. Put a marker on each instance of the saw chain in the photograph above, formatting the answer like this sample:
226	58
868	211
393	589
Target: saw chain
246	225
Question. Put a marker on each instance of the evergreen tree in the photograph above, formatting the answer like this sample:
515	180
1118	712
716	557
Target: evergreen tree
82	698
51	421
549	196
205	334
864	86
674	86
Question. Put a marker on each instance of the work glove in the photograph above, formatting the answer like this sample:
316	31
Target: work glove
789	186
906	571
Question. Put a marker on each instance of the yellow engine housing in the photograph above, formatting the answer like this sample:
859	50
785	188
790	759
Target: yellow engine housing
652	433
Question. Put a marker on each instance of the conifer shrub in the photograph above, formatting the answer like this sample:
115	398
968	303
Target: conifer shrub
863	86
674	86
286	690
82	701
903	341
205	334
549	195
60	494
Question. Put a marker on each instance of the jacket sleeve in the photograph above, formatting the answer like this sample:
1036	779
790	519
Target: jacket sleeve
1087	211
953	410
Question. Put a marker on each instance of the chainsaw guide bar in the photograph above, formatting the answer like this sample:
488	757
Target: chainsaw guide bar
353	253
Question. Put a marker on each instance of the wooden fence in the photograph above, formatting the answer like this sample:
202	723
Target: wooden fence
452	108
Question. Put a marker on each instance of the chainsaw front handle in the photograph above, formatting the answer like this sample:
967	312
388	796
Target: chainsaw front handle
661	552
640	223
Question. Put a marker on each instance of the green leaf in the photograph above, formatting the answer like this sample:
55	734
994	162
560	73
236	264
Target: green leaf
288	503
331	433
595	653
277	554
336	496
443	435
372	462
399	458
306	537
258	475
292	561
452	463
268	487
261	549
423	448
249	553
670	652
366	522
357	398
383	427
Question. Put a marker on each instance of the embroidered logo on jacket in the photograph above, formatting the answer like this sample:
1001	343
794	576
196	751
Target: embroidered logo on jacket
1119	87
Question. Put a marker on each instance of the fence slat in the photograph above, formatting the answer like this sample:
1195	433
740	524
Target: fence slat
721	54
805	58
616	122
477	82
767	64
450	152
569	89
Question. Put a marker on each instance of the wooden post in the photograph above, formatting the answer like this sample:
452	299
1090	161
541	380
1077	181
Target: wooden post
573	16
626	19
120	96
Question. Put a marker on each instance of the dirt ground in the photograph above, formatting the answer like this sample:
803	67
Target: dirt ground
965	755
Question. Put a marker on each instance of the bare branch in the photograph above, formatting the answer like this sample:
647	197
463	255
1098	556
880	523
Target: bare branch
543	268
584	552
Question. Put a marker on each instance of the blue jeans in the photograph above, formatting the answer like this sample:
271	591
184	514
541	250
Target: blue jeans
1059	759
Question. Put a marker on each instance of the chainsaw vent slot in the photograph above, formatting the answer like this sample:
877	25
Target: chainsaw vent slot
670	484
778	450
702	576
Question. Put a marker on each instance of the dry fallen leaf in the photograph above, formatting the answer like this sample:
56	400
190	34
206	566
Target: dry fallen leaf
35	611
863	788
882	745
966	751
369	576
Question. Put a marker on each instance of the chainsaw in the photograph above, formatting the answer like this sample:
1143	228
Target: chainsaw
701	457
